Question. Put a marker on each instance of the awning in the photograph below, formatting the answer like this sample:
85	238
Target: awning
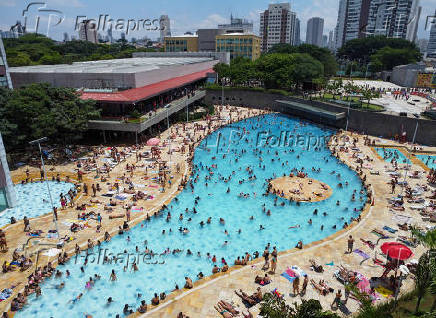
141	93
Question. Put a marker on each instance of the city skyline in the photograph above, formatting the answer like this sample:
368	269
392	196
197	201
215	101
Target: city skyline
206	15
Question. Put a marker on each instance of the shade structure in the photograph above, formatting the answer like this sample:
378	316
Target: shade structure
153	142
396	250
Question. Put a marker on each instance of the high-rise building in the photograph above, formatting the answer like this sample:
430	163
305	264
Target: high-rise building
431	47
7	193
277	25
237	25
340	25
314	33
66	37
88	31
239	45
413	21
165	27
297	33
331	41
422	45
394	18
356	19
325	40
391	18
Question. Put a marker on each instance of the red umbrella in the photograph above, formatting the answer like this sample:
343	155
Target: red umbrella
396	250
153	142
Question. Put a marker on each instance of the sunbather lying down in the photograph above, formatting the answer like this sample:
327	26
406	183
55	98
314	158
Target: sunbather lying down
315	267
321	287
226	309
253	299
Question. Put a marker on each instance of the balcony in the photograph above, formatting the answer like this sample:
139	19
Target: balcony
140	124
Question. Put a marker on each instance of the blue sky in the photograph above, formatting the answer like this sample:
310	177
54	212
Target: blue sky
185	15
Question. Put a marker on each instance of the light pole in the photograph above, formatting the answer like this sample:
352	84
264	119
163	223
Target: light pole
222	92
348	115
38	141
366	73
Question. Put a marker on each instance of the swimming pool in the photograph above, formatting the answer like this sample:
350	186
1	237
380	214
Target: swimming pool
429	161
221	148
33	200
389	154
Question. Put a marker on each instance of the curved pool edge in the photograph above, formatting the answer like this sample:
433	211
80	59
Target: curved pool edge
42	216
177	295
208	280
134	221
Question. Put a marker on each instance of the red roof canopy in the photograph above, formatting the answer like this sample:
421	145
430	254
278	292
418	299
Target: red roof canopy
144	92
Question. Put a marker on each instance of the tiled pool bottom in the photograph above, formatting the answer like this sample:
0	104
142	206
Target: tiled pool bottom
429	161
230	158
33	200
390	154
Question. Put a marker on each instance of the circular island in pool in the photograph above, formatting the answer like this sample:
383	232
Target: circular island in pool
223	213
299	188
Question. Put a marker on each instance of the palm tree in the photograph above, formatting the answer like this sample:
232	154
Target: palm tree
422	278
432	287
428	239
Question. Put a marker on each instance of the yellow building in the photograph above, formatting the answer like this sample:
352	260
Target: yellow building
239	44
181	43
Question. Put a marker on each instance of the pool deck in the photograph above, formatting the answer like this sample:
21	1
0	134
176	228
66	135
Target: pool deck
199	301
14	232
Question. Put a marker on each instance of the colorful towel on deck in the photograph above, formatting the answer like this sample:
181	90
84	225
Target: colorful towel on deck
287	276
384	291
389	229
361	253
136	209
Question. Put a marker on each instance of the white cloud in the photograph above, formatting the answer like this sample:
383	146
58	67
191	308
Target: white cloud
182	24
7	3
255	17
211	21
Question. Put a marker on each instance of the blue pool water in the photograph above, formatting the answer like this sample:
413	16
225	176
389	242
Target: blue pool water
33	200
429	161
389	154
214	202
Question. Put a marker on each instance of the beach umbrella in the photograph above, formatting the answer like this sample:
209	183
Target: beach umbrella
396	250
153	142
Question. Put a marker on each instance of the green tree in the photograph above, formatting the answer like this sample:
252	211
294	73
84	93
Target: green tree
428	239
286	71
40	110
368	94
241	70
274	307
362	49
321	54
422	279
389	57
36	49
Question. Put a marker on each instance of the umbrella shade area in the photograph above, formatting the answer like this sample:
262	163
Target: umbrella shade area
153	142
396	250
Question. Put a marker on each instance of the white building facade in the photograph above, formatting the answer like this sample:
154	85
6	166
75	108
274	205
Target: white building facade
278	25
